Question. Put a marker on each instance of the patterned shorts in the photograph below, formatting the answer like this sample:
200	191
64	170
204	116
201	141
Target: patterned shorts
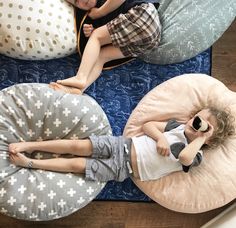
136	32
111	159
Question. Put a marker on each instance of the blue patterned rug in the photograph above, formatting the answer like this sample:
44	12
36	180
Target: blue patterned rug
118	91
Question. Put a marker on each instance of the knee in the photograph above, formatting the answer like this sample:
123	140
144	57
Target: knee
103	57
74	167
97	36
101	36
75	146
77	165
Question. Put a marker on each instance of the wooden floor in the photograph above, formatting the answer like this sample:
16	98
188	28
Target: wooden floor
145	215
224	58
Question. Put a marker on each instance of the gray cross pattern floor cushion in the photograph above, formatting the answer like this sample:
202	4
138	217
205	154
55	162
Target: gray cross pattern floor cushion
33	112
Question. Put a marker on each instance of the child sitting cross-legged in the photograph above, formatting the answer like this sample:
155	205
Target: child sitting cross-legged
164	148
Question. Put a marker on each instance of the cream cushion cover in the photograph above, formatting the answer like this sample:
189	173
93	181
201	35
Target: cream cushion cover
37	29
210	185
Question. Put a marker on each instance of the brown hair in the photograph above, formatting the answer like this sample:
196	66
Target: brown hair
225	126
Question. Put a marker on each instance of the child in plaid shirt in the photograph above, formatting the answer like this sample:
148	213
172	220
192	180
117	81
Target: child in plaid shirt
136	30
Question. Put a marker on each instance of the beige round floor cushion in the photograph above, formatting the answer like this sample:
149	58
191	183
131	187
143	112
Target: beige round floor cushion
209	186
37	29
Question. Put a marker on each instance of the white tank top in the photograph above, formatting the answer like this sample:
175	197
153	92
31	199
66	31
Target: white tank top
152	165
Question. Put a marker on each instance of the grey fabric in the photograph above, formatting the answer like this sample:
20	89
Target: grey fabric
108	160
176	148
190	27
32	112
171	124
196	162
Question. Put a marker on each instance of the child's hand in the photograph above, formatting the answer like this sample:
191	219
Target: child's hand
95	13
163	147
88	29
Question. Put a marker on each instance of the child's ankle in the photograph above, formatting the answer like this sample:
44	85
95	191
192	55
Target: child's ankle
80	75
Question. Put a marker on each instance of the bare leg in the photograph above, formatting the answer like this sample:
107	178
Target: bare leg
74	165
98	38
107	54
81	147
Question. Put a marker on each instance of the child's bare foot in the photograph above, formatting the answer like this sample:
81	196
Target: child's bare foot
21	147
66	89
19	160
73	82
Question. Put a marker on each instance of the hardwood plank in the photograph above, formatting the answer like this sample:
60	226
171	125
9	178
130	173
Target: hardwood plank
225	46
232	87
224	58
121	214
225	68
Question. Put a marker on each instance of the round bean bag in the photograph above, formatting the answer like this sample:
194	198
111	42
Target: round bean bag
180	39
190	27
43	29
213	183
46	29
33	112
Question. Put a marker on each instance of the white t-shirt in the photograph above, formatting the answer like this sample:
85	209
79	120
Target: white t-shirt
152	165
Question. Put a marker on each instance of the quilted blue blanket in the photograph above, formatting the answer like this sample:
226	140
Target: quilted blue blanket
118	91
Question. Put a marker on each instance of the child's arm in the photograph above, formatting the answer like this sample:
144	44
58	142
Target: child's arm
108	7
187	155
155	130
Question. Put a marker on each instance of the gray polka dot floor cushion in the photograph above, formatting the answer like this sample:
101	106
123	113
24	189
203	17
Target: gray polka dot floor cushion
190	27
46	29
35	112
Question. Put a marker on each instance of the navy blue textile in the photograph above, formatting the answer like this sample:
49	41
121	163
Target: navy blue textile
118	91
128	4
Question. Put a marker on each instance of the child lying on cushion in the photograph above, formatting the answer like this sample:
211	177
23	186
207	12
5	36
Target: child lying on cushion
136	30
165	148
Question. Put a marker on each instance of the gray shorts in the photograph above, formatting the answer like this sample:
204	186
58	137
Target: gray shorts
110	159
